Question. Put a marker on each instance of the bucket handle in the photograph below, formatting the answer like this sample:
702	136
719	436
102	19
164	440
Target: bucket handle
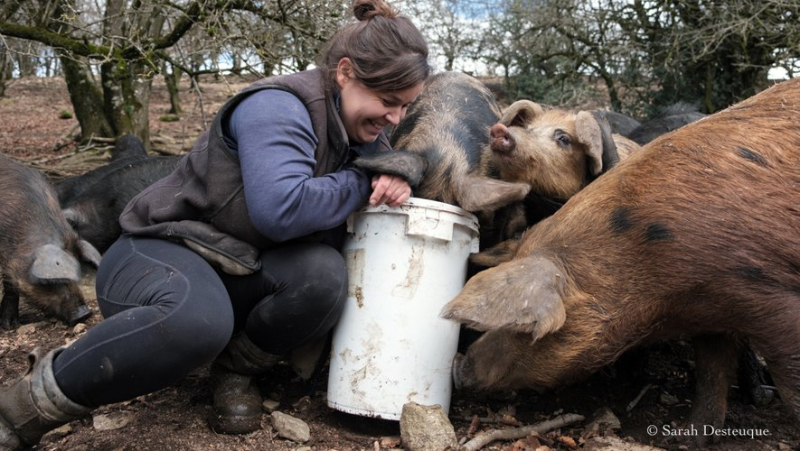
435	228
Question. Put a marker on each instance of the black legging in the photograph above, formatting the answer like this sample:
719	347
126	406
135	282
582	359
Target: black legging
168	312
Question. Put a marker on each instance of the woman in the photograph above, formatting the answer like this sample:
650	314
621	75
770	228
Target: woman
234	257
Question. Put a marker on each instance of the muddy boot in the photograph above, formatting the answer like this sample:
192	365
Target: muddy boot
34	405
237	401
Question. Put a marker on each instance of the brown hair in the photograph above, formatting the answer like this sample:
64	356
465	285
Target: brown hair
388	53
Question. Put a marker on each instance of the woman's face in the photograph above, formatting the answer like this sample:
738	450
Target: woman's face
365	112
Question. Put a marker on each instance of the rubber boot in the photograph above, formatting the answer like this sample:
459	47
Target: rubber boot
34	405
237	401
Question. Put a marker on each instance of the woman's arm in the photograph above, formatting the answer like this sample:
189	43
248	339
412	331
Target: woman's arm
275	141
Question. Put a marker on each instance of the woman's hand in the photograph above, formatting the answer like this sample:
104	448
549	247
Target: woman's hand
389	189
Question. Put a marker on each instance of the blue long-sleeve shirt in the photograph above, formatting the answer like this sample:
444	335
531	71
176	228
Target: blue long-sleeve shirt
272	134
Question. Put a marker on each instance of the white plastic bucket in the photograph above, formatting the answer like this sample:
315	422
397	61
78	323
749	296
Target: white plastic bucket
390	346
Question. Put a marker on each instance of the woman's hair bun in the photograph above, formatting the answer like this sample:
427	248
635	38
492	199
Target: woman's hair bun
367	9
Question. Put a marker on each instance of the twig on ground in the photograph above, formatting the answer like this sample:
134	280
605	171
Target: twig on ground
497	419
638	397
101	139
52	158
485	438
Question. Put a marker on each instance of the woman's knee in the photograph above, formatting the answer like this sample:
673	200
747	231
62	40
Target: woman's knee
323	277
313	281
310	270
171	294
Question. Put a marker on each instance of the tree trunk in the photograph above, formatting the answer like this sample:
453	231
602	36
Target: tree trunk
708	89
172	79
26	63
87	101
5	68
127	98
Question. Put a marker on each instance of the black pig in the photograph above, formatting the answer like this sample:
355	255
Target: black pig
127	149
667	120
446	133
94	213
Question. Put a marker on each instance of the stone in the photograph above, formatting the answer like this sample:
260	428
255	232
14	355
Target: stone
426	428
291	428
668	399
603	419
111	421
270	405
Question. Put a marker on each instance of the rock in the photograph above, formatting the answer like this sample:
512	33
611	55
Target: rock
302	404
289	427
26	329
62	430
79	329
426	428
667	399
111	421
390	442
270	405
603	419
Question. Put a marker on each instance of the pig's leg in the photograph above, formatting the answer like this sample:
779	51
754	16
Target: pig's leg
9	307
715	367
497	254
752	377
782	354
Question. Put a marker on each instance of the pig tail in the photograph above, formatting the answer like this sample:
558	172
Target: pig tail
387	51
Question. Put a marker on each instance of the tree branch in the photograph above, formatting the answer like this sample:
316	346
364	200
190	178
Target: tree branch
55	40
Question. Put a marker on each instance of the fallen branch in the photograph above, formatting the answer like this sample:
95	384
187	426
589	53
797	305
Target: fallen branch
485	438
103	140
496	419
638	397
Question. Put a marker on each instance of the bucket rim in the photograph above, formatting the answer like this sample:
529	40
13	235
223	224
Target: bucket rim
423	203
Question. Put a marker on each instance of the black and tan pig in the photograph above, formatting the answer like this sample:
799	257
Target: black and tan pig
443	144
696	235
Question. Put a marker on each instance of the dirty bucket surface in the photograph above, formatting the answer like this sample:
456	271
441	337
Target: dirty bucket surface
391	346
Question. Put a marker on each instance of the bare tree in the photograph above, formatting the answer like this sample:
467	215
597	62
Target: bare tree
644	52
125	43
452	27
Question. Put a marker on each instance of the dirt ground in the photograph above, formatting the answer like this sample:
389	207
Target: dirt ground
652	388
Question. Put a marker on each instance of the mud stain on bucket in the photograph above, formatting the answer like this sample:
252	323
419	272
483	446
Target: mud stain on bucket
416	267
355	270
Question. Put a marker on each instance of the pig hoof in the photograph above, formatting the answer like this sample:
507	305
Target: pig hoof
79	315
458	361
